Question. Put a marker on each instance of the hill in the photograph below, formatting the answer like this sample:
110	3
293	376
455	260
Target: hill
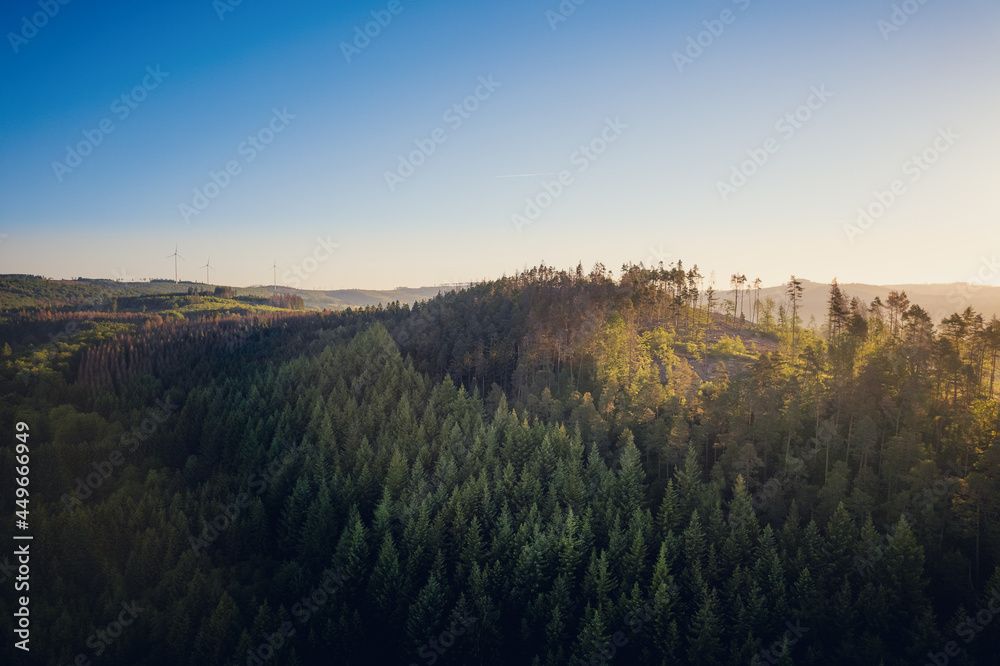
940	300
32	291
339	299
554	456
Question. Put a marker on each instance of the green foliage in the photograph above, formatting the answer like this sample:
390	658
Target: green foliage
728	347
540	455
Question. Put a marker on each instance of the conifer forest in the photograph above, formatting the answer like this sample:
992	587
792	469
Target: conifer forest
553	468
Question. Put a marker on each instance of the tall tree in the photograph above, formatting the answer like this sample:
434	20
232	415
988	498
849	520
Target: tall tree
794	291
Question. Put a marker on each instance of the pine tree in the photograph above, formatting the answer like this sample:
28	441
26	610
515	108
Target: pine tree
316	538
669	515
351	556
599	582
593	637
689	482
293	516
217	638
631	482
840	537
704	645
426	615
386	583
570	548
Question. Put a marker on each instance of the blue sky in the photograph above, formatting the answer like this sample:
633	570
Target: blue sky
653	192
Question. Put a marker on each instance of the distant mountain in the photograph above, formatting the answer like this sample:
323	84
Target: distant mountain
339	299
940	300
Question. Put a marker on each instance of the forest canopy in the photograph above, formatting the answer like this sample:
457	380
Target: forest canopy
555	467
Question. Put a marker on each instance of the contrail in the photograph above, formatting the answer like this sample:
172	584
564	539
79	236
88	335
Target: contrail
525	175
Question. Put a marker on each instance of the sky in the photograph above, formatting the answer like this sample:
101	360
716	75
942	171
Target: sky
406	143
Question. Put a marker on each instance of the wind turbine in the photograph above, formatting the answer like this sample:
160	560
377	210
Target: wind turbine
275	267
175	256
207	267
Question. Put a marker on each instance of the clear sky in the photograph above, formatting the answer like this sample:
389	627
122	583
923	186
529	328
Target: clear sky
310	117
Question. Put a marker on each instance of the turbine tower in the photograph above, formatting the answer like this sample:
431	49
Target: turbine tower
275	267
175	256
207	267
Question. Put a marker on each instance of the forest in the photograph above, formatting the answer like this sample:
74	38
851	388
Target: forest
558	467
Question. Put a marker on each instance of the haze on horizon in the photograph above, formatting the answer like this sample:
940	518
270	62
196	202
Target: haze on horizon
297	121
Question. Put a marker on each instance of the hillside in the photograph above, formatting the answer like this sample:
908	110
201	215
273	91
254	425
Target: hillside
550	459
23	291
940	300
